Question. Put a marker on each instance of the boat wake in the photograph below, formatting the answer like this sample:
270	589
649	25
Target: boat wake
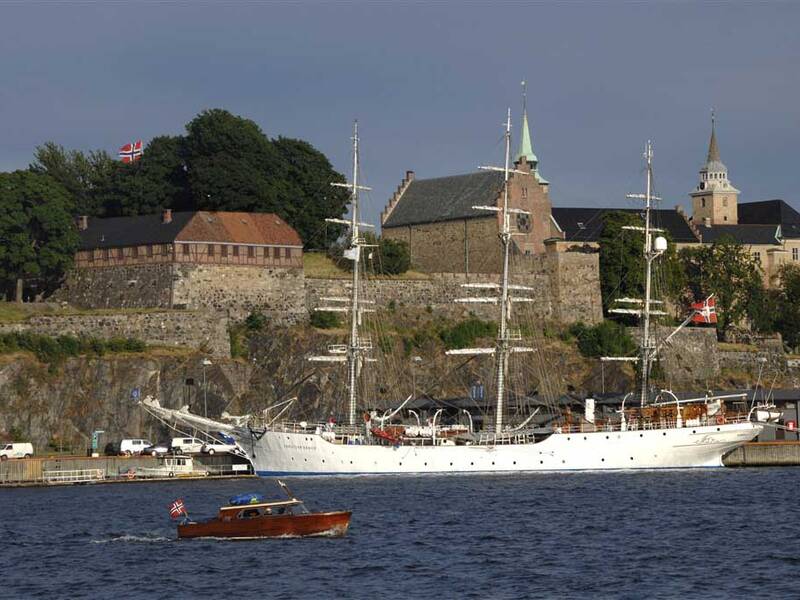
137	539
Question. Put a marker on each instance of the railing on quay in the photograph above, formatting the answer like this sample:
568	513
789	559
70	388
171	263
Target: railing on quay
74	476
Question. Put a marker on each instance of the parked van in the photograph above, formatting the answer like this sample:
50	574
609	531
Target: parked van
133	446
16	450
187	445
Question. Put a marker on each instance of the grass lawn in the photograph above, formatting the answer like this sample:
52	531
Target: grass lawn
12	312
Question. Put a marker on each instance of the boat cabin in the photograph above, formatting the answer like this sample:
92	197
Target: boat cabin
262	509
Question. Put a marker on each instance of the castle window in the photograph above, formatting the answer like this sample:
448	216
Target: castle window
704	202
236	250
725	201
185	249
224	251
251	252
757	256
795	252
287	253
149	251
211	249
524	192
106	254
120	252
276	252
135	252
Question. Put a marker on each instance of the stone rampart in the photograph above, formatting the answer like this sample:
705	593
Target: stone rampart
190	329
566	288
277	292
128	286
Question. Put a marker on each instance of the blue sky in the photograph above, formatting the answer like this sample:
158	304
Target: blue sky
429	83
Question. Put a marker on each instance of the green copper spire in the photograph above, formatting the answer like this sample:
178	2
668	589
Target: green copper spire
713	150
525	145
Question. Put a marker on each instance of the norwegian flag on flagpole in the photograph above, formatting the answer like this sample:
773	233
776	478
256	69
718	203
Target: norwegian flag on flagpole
177	508
706	311
131	152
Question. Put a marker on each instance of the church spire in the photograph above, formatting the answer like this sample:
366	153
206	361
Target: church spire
525	145
713	150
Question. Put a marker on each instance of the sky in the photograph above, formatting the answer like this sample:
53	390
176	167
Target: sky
429	84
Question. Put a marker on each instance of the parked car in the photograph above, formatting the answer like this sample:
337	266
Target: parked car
156	449
187	445
16	450
131	446
221	443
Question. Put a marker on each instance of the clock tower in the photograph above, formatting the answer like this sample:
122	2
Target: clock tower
714	200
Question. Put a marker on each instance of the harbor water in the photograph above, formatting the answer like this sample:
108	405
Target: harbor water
716	533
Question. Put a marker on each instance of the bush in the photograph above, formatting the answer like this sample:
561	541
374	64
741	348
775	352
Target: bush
324	320
394	257
605	339
465	333
54	350
255	321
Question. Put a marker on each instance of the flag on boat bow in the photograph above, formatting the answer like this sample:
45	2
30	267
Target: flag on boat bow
706	311
131	152
177	508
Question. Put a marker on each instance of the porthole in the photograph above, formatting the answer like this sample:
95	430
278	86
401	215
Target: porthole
584	437
492	463
515	462
631	458
323	461
401	464
606	437
602	460
541	462
472	464
568	438
664	433
717	428
426	464
305	460
563	461
641	435
694	430
351	462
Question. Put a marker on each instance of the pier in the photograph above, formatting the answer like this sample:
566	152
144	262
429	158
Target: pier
74	470
765	454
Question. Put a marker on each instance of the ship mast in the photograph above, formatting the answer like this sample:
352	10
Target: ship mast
505	336
357	346
651	250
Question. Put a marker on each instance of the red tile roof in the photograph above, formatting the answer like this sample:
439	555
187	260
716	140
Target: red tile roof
239	228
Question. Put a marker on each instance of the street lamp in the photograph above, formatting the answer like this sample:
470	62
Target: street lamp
414	362
206	363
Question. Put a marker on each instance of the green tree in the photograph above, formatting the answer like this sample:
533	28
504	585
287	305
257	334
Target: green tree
86	177
727	270
308	198
232	165
394	257
622	262
788	313
38	238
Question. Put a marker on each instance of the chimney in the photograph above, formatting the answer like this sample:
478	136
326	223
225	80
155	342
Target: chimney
83	223
707	222
409	175
166	215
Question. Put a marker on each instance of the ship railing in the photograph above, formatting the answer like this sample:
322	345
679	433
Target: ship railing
642	424
74	476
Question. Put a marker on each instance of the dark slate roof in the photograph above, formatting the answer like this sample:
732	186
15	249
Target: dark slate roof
772	212
132	231
743	234
586	224
446	198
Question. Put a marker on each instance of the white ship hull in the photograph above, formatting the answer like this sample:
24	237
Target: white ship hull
304	453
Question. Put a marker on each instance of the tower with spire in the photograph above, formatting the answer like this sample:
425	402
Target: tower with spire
525	145
714	200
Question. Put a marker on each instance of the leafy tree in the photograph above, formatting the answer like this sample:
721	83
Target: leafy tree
788	313
232	165
622	262
727	270
309	197
85	177
38	238
394	257
608	338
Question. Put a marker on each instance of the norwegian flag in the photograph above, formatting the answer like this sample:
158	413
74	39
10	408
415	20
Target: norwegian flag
706	311
177	508
131	152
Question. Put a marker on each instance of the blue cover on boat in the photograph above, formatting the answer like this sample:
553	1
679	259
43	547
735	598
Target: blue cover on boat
243	499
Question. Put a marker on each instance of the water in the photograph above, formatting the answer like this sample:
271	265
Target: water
717	533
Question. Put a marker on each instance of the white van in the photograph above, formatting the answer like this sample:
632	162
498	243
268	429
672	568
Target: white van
16	450
187	445
133	446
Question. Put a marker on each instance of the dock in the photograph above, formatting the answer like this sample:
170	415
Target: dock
83	470
765	454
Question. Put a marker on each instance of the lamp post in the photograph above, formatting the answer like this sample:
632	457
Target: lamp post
414	362
206	363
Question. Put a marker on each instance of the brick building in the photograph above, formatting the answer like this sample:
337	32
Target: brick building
444	233
229	261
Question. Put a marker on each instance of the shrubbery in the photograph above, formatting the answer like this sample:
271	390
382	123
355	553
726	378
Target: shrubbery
324	320
55	349
605	339
464	334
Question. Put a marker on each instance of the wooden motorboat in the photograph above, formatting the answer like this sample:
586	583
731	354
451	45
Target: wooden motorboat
249	517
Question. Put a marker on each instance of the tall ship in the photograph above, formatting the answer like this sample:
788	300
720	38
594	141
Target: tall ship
649	431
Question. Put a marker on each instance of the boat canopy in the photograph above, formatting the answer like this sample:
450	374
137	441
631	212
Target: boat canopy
243	499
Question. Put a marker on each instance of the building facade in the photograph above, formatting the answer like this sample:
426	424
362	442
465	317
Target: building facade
230	261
